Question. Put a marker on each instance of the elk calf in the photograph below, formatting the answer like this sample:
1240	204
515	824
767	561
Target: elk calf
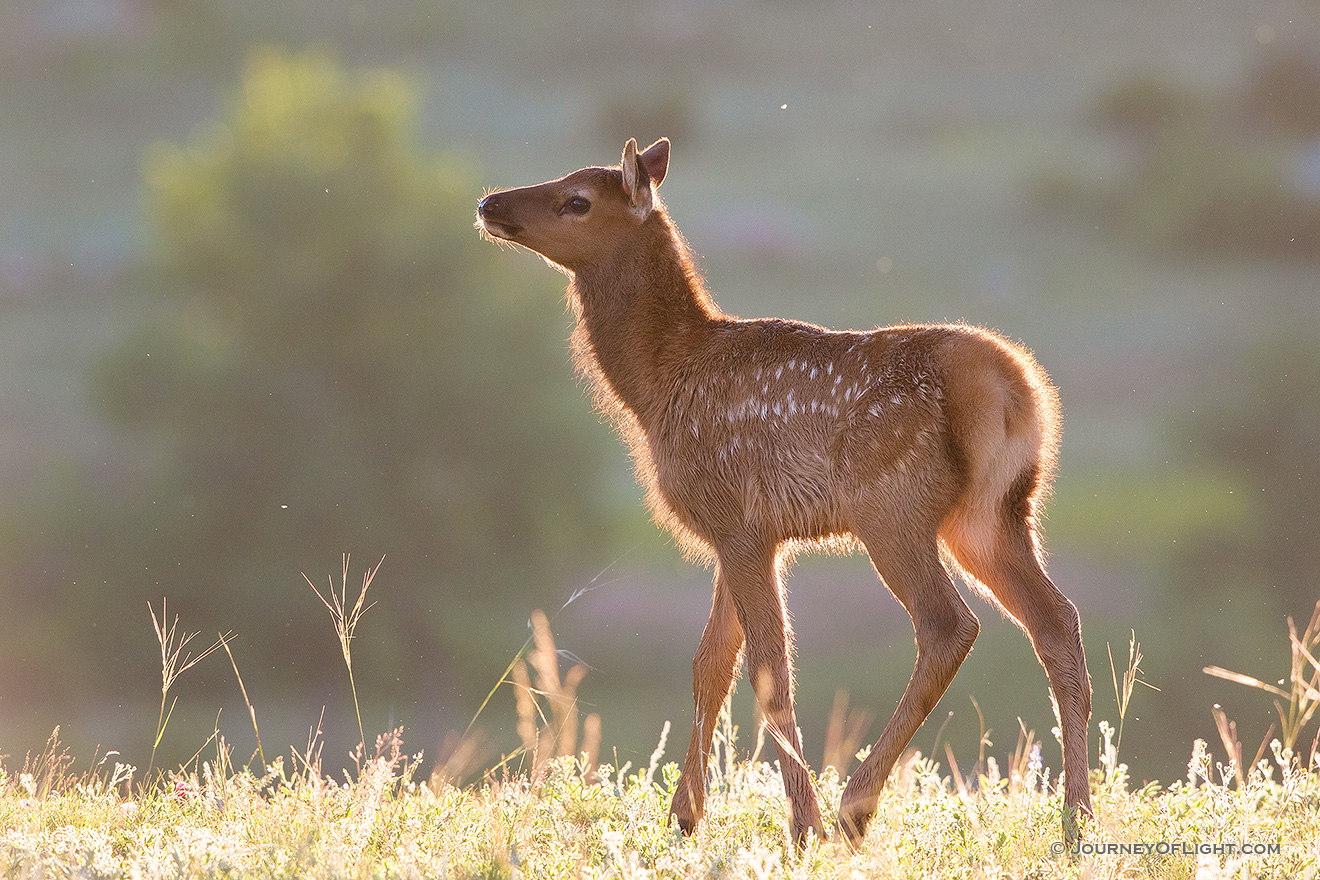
758	437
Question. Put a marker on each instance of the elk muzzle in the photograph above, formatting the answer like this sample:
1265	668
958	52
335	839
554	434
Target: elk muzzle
495	219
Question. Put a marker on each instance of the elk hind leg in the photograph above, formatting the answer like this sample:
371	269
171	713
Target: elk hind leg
996	546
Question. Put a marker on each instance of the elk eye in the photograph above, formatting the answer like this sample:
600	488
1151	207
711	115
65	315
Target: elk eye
577	205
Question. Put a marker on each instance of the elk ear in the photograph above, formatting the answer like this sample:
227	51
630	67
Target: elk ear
655	159
636	181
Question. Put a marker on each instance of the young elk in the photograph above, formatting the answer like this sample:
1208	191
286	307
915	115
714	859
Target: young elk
756	438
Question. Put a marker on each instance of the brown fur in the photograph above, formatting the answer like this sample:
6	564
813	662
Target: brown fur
755	438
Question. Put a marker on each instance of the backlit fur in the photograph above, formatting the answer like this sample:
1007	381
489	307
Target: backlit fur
755	438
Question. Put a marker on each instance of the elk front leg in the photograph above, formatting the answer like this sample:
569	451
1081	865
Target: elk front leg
713	671
754	586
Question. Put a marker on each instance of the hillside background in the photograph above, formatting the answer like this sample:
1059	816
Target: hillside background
246	326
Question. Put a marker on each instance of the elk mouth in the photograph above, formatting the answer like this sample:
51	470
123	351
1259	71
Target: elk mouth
495	229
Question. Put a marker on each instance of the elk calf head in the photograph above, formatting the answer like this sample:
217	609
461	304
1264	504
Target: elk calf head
573	220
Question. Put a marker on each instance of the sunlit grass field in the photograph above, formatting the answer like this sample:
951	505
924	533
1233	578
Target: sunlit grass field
555	809
567	819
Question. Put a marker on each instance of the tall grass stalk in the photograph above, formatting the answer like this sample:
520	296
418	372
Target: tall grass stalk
545	732
845	733
1131	678
173	663
252	712
506	677
1295	706
346	621
1298	703
546	735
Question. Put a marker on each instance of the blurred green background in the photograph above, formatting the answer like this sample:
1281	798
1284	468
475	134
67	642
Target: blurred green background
246	326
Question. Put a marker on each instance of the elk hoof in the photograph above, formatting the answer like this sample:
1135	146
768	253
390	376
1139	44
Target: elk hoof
807	818
852	825
681	815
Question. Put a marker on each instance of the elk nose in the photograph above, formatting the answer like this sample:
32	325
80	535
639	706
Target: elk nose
491	204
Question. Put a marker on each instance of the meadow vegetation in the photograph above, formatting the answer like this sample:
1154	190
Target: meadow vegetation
552	809
571	820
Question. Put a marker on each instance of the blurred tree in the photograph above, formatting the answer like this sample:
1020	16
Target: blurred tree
1193	177
1283	91
1144	103
335	361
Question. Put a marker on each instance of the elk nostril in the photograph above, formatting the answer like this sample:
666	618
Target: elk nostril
489	205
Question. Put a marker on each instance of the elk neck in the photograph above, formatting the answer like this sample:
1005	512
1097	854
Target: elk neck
645	314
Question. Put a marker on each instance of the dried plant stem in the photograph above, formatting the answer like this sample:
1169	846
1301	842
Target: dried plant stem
1298	704
552	731
252	712
1131	678
173	663
346	621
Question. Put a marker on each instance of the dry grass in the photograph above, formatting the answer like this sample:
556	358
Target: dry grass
550	811
346	621
566	821
1295	705
175	660
547	736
